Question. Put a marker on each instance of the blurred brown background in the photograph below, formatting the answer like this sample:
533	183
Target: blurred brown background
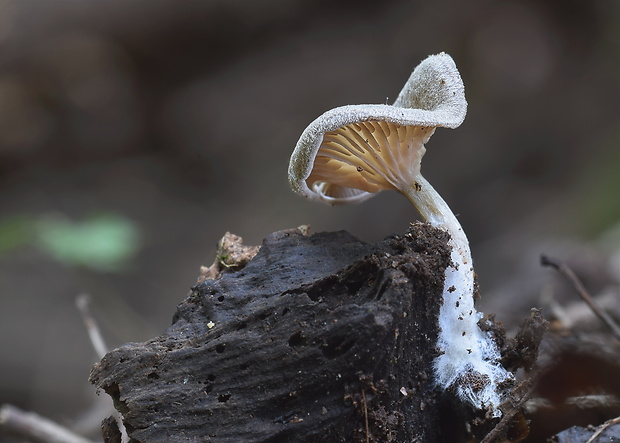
176	119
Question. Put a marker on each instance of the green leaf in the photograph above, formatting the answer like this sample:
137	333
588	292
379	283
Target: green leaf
104	243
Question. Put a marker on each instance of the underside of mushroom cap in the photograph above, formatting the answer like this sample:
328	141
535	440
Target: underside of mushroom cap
351	152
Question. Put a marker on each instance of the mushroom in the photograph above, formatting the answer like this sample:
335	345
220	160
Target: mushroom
350	153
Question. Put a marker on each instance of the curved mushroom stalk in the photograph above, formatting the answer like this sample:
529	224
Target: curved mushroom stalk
352	152
469	362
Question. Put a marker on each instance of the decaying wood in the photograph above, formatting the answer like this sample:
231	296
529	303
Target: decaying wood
318	338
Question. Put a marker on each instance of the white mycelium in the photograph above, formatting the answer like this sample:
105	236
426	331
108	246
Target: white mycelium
352	152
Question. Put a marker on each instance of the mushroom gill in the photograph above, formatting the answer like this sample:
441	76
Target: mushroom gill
369	156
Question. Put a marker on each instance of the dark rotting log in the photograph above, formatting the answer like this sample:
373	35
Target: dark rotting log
320	338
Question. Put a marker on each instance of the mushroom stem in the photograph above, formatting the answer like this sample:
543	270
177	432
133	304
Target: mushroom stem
435	211
469	359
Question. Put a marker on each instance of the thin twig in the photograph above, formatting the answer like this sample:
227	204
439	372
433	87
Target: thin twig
82	302
364	405
603	427
34	427
581	290
580	403
509	415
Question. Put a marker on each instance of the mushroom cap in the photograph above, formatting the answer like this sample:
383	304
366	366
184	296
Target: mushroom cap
351	152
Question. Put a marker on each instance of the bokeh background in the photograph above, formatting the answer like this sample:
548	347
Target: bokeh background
134	134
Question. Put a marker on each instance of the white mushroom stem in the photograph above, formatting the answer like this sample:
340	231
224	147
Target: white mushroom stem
468	363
